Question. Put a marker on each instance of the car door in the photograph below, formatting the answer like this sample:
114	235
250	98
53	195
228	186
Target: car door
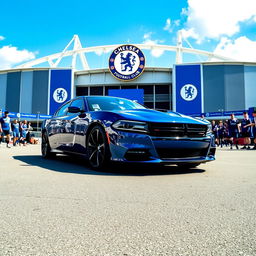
78	123
55	126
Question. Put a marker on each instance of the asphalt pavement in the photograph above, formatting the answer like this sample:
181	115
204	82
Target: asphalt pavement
62	207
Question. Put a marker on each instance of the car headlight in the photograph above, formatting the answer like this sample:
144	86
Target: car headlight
209	128
131	126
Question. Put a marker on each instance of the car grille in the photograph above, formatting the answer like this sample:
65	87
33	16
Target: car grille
177	130
166	153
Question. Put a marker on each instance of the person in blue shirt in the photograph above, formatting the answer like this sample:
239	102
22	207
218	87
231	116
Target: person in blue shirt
5	128
233	131
246	130
253	125
16	132
24	128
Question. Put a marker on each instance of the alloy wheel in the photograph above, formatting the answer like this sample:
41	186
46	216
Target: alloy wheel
96	147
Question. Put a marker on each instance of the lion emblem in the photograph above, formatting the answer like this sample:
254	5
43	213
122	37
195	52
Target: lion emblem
128	61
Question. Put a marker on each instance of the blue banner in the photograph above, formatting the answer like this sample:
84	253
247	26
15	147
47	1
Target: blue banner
24	116
45	117
218	114
188	91
224	113
60	88
131	94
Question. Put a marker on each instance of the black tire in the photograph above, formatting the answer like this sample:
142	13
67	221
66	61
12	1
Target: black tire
98	152
187	165
45	147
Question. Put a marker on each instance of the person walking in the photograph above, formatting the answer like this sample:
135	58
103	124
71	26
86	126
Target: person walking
221	134
233	131
215	131
246	131
24	131
16	132
253	125
226	136
5	128
21	140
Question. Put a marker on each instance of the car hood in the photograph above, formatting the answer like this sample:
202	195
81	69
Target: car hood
148	115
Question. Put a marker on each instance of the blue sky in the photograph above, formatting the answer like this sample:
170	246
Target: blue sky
31	29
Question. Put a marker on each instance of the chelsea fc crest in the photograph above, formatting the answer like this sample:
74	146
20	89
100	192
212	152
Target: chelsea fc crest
127	62
188	92
60	95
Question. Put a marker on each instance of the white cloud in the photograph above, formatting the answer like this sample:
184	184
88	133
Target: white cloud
170	25
10	56
186	33
2	38
147	35
148	41
242	48
212	19
167	26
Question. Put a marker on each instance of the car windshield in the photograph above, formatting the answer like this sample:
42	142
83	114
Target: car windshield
111	103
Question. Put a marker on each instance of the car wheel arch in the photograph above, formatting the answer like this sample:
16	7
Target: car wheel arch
91	126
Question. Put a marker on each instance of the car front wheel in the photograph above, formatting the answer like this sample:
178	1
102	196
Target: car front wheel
97	148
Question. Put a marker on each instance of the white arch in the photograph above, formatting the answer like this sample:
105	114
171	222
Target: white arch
78	50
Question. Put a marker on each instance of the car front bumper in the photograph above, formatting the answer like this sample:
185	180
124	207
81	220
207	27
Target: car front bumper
143	148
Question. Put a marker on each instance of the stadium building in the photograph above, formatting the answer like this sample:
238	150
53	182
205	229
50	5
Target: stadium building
34	90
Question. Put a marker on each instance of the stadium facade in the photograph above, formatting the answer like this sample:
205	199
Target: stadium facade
191	88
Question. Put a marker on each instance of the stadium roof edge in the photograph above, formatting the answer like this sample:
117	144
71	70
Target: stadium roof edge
30	69
220	63
100	70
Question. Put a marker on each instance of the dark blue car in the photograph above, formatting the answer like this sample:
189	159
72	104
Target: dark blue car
106	129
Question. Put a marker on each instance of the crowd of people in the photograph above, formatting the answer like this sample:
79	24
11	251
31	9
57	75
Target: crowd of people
17	132
233	132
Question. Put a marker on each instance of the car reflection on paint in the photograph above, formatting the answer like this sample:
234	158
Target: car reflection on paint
106	129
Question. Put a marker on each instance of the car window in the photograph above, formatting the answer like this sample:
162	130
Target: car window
78	103
63	110
111	103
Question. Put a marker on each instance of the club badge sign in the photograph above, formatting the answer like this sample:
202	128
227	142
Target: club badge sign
126	62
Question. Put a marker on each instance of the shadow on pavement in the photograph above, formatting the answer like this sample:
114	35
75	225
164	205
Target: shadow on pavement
79	165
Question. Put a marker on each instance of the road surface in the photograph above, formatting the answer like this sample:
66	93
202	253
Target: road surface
61	207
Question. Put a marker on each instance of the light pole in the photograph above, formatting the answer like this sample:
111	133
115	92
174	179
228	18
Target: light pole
37	125
221	110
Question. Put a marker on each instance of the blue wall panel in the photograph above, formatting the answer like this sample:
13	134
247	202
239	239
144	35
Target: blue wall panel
26	92
3	86
250	86
188	89
13	91
234	87
40	92
214	93
60	88
131	94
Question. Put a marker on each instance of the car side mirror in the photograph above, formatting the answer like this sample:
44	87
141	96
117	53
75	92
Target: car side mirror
74	110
